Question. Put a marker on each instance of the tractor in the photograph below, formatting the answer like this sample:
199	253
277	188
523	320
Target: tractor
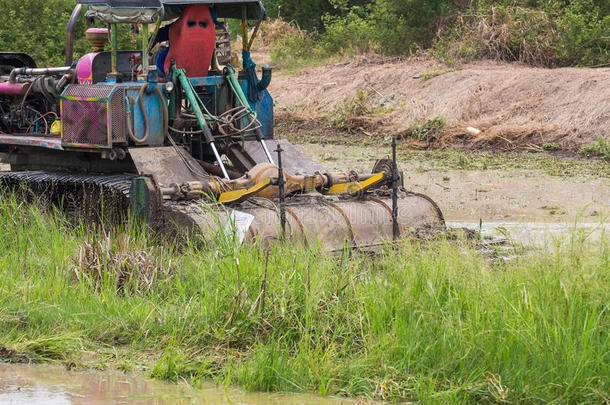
180	133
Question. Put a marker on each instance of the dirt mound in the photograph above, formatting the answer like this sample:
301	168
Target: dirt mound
512	105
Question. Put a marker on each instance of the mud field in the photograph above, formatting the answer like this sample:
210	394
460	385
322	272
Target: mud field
506	192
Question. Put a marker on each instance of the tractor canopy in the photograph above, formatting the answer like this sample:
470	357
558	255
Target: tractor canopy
150	11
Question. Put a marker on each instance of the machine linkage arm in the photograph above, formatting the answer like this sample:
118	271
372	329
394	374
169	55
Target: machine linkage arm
209	138
262	181
241	98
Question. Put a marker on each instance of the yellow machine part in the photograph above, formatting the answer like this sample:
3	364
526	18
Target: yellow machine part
56	128
355	187
241	195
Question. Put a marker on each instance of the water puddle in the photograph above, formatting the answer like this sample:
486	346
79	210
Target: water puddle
50	385
535	234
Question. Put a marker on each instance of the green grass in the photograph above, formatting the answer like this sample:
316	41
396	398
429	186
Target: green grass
436	321
599	148
429	130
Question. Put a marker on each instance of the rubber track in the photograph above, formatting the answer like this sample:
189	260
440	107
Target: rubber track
117	183
91	196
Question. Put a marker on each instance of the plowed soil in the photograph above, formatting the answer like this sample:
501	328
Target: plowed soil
514	106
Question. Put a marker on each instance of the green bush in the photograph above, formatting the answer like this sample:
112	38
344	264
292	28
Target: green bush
584	35
38	28
600	148
391	27
542	33
537	32
294	49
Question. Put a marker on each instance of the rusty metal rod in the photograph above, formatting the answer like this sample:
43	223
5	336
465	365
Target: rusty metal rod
217	171
395	228
280	183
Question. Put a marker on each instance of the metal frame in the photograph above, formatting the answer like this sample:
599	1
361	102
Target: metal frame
109	122
224	8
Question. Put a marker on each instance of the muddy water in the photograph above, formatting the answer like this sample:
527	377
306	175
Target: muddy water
536	234
49	385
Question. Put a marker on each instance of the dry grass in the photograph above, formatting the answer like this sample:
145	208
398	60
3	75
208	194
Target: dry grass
502	34
113	259
514	106
271	32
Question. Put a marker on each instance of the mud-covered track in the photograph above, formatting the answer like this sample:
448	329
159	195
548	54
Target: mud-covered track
82	196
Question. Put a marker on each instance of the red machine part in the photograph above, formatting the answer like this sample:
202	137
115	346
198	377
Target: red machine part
13	88
192	40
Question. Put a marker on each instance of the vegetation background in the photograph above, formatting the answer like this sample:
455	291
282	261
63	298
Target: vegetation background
539	32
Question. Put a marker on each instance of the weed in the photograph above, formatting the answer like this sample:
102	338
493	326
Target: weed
356	106
600	148
550	147
430	130
530	330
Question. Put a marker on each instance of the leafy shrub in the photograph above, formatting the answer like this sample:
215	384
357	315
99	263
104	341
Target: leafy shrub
600	148
584	34
430	130
356	106
390	27
350	34
295	49
38	28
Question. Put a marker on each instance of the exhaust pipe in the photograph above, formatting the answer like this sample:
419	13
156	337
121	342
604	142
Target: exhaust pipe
70	34
37	72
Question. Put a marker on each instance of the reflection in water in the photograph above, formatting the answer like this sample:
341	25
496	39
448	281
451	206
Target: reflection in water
49	385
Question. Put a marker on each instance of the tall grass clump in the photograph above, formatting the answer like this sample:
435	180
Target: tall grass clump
546	35
432	321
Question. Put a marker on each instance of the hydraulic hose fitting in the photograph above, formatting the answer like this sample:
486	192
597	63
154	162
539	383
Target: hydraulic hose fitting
266	79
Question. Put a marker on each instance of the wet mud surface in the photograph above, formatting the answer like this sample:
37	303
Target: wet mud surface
510	194
50	385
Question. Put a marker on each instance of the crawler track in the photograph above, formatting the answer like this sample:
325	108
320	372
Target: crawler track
82	196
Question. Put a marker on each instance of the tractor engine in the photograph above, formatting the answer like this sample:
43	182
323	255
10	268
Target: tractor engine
29	95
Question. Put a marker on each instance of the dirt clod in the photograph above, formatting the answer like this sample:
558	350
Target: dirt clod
10	356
